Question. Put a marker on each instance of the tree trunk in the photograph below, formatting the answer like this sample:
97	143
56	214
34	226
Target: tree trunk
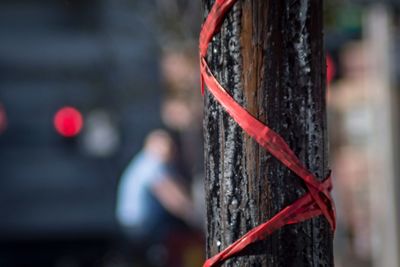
269	56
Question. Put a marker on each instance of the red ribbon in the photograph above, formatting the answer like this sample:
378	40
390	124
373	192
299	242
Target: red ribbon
317	201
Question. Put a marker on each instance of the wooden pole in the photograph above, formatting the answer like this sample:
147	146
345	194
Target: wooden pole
269	56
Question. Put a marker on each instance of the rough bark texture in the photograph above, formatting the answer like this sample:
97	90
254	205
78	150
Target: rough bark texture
269	56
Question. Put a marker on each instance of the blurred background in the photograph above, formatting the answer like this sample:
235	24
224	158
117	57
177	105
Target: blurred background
83	82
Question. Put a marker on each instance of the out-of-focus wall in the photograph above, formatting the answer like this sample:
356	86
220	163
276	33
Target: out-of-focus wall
98	57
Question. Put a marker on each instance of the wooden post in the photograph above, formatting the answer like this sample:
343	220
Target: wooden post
269	56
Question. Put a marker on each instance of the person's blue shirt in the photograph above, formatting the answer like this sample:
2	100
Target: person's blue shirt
136	205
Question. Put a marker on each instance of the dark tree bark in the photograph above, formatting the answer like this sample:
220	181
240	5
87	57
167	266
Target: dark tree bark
269	56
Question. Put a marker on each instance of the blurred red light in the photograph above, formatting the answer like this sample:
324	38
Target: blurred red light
331	69
68	121
3	119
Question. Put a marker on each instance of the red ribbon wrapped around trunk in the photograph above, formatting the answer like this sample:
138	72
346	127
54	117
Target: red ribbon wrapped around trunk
317	201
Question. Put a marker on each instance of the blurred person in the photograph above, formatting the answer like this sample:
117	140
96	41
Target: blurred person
350	135
151	202
179	115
